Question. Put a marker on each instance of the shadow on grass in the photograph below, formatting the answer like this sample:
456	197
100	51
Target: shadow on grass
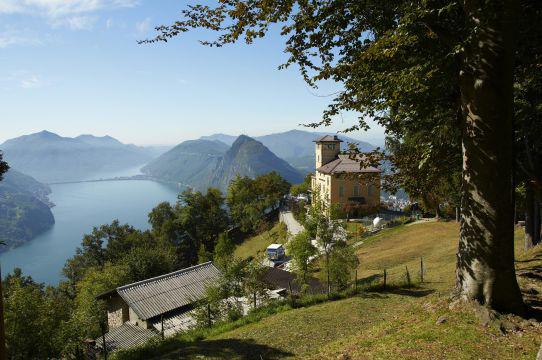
412	291
228	349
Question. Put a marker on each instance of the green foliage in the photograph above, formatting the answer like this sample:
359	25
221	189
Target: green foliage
145	262
32	317
250	199
342	262
3	166
223	254
88	313
301	250
192	226
302	188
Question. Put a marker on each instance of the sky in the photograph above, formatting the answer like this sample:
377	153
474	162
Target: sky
74	67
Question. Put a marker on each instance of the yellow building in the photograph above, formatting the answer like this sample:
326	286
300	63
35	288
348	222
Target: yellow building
341	181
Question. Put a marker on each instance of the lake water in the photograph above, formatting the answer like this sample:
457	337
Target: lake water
79	207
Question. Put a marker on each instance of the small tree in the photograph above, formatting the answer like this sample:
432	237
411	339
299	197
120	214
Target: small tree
223	255
342	262
219	302
254	286
328	230
301	250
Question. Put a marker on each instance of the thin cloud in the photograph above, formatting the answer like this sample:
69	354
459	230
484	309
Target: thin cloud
76	22
22	79
10	36
31	82
55	8
143	26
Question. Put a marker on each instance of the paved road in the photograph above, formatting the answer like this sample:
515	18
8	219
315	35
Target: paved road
294	227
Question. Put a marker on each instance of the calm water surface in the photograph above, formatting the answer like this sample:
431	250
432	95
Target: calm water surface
78	208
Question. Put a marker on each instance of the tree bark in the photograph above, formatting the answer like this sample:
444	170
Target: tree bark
485	259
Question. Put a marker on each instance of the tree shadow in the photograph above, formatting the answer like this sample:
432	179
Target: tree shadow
229	349
412	292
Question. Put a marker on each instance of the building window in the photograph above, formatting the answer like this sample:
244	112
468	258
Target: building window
331	146
371	190
341	190
356	190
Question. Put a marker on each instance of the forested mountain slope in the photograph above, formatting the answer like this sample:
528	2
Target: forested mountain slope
204	163
294	146
24	209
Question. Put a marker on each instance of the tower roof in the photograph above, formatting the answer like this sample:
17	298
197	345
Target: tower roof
328	138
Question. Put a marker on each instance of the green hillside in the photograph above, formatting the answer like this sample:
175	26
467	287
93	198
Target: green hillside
204	163
24	209
399	323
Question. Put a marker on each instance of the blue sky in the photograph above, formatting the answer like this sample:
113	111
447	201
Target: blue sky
74	66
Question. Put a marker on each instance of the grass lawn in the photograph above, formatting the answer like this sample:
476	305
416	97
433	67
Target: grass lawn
251	246
394	324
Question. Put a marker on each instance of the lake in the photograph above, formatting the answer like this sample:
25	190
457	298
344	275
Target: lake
79	207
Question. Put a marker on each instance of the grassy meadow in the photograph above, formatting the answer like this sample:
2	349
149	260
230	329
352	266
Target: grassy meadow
419	322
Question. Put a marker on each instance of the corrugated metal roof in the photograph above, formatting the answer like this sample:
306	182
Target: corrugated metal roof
159	295
125	336
328	138
345	164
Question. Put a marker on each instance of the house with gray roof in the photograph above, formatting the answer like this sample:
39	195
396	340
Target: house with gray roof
140	311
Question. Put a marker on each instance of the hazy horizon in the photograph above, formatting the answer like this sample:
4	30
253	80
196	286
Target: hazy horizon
74	67
357	135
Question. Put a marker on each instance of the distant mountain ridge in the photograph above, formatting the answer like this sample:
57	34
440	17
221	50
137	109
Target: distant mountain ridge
49	157
211	163
24	209
294	146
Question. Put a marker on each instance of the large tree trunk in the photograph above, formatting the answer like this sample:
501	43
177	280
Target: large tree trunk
485	259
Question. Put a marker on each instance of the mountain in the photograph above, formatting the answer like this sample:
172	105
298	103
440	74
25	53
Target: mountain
49	157
251	158
24	209
224	138
295	146
204	163
190	163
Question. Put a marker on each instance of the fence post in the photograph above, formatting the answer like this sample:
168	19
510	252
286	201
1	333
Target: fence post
254	300
421	269
356	282
407	275
385	277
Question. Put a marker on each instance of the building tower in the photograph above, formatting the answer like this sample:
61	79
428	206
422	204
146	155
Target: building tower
327	149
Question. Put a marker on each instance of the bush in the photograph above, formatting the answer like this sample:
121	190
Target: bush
402	220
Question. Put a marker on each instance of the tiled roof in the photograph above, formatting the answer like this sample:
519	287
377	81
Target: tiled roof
152	297
344	164
328	138
125	336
